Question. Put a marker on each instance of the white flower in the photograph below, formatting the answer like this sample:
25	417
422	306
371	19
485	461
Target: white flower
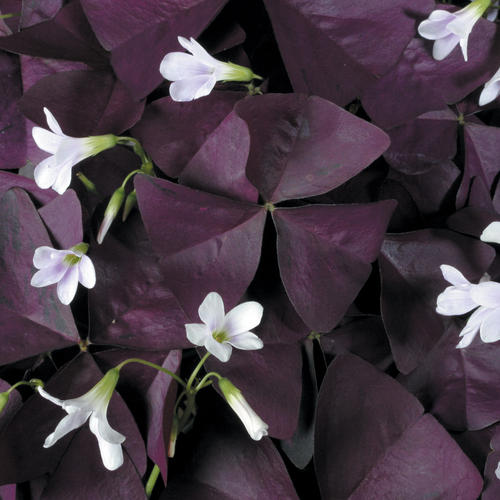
220	331
194	75
93	404
491	89
491	233
55	171
254	425
497	471
462	297
449	29
64	267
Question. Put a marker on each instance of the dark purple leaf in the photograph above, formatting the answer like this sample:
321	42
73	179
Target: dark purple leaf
75	457
492	486
455	384
9	180
482	149
12	130
225	461
131	304
339	48
32	319
219	165
418	83
63	218
411	282
36	12
8	492
277	403
68	36
364	336
300	447
139	35
333	247
205	242
304	146
86	103
161	397
372	436
172	132
417	146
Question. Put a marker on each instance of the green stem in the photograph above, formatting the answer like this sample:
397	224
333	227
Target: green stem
22	382
124	183
152	365
152	480
8	16
135	145
203	381
195	372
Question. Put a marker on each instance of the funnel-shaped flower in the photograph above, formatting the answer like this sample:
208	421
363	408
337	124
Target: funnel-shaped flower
64	267
93	404
194	75
254	425
220	331
449	29
462	297
55	171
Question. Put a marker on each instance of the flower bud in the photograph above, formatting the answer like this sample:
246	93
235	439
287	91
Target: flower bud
112	210
254	425
174	431
4	398
130	203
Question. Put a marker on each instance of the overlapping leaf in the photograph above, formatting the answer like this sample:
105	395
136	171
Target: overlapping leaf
372	436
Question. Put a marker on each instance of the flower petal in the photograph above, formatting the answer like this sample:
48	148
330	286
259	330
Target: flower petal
86	272
99	425
435	26
111	452
46	172
45	140
197	333
471	328
454	301
66	288
242	318
67	424
51	398
179	66
443	47
211	311
488	94
52	122
63	180
221	351
48	275
490	327
453	275
486	294
491	233
192	88
47	257
247	341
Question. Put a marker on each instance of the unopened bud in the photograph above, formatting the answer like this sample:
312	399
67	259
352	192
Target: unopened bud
112	210
4	398
130	203
173	436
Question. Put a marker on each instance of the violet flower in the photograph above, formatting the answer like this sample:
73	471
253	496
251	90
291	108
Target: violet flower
449	29
55	171
220	332
64	267
194	75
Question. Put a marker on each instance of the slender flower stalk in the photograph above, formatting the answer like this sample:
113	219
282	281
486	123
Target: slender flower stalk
66	151
66	268
194	75
450	29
